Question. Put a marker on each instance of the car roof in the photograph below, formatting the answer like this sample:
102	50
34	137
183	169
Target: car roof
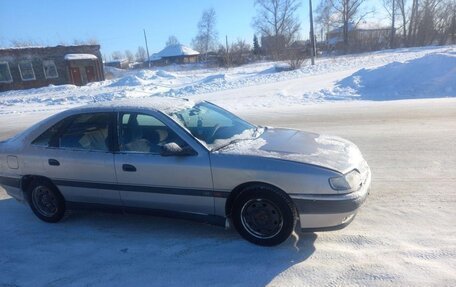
166	105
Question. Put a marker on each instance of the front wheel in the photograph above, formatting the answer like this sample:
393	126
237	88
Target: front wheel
46	201
264	216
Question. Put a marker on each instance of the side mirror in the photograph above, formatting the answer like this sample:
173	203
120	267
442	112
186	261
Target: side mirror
173	149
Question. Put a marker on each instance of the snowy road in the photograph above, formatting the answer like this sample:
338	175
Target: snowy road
405	235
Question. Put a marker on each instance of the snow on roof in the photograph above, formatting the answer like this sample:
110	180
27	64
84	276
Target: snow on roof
71	57
42	47
174	51
166	105
118	61
22	47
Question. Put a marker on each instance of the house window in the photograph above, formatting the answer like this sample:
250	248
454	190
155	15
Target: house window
5	75
50	70
26	69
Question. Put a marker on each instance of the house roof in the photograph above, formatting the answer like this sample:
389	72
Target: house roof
47	47
360	26
174	51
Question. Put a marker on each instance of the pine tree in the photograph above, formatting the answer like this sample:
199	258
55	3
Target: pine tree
256	46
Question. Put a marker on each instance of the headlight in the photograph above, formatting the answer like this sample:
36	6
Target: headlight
349	181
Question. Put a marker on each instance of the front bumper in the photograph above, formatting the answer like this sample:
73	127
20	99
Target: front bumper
329	212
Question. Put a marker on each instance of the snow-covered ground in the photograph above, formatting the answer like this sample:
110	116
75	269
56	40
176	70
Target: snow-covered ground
404	235
396	74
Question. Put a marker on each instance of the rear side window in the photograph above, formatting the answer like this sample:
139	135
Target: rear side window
87	132
45	138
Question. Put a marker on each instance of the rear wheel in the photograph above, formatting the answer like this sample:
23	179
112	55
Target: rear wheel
263	216
46	201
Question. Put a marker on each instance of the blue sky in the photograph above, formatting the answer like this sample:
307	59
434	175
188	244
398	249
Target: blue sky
118	25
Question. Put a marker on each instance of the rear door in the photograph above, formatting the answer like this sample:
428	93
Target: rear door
149	180
79	160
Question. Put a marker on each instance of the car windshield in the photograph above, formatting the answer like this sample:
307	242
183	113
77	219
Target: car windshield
215	126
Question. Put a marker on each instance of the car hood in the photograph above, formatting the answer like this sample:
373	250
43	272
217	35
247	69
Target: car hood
326	151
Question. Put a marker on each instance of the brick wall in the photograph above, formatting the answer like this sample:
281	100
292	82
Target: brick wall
14	56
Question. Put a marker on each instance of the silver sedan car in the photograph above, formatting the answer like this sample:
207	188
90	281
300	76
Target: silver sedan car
175	157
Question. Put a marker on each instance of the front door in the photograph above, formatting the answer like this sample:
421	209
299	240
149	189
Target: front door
76	76
150	180
90	72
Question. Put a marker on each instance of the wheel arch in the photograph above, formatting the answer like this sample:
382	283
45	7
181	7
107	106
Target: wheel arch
242	187
26	180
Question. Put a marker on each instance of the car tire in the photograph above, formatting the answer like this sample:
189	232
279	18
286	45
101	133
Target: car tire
45	200
263	215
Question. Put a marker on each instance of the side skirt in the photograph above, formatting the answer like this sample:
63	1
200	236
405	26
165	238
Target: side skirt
203	218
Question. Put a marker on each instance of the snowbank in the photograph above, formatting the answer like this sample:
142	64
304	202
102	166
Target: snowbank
432	76
165	74
128	81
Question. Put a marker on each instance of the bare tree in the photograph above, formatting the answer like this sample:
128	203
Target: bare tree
446	22
401	7
172	40
24	43
325	18
236	54
239	53
206	39
277	20
117	55
296	58
129	56
92	41
391	8
88	41
141	54
348	14
421	22
413	23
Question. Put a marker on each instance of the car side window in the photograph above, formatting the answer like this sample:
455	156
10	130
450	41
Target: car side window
45	138
144	134
87	132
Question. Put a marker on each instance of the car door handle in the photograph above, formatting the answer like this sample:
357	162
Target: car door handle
128	167
53	162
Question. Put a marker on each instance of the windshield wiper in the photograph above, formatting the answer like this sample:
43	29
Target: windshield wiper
256	133
228	144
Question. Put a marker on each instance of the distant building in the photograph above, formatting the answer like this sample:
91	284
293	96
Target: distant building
119	64
273	46
361	38
34	67
175	54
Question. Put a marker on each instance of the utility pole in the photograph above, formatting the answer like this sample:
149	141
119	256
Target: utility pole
147	48
312	36
227	52
393	30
